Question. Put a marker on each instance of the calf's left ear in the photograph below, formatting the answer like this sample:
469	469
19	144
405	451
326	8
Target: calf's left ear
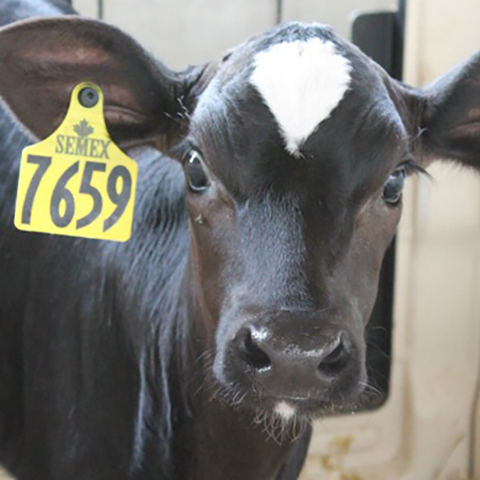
446	116
42	60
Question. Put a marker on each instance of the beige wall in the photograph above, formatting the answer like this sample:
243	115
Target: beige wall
182	32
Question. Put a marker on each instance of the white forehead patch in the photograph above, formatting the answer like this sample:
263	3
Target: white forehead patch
301	82
284	410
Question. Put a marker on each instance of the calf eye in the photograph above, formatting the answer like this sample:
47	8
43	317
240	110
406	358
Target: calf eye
196	177
392	191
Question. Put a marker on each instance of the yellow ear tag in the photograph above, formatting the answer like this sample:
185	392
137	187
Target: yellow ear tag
77	182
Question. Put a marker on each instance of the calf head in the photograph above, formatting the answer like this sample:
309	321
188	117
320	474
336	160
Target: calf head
295	148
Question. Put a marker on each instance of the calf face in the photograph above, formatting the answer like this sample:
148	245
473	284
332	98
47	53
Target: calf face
296	156
295	148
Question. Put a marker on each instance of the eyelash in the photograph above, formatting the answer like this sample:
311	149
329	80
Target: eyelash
182	150
413	168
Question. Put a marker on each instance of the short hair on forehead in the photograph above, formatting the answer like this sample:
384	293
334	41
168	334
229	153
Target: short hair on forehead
301	82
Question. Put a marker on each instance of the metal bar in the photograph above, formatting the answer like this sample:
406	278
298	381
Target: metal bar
279	12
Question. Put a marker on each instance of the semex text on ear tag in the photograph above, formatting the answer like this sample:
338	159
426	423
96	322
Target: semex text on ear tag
77	182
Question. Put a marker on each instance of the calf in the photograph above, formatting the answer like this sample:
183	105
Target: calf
237	310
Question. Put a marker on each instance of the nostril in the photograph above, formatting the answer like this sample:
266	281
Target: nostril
253	355
335	361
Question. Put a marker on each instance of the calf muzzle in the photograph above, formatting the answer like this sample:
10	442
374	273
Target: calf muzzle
296	356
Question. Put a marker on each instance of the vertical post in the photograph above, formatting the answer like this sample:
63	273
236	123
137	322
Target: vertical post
279	16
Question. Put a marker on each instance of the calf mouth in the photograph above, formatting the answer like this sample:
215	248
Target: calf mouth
285	415
285	418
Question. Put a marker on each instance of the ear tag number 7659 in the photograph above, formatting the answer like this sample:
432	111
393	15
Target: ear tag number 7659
77	182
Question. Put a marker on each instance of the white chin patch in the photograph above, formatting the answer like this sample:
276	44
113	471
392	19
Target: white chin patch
284	410
301	82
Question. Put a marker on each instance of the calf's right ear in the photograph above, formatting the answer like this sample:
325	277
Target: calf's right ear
42	60
446	116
